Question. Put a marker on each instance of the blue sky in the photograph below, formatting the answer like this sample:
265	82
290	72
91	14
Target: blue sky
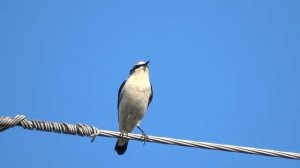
222	71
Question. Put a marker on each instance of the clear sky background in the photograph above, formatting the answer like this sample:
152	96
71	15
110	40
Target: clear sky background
222	71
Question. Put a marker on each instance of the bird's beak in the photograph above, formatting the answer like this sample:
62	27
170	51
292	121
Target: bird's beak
147	63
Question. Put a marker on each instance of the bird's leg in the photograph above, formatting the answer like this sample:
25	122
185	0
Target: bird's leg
123	133
144	136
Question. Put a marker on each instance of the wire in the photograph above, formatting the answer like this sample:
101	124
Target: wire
91	131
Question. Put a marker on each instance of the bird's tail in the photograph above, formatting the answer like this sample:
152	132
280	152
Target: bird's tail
121	146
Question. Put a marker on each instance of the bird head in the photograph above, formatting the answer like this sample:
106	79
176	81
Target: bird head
140	67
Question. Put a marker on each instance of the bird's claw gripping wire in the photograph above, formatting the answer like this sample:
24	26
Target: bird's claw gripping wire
122	134
144	136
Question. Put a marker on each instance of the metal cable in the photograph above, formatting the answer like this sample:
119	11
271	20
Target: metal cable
91	131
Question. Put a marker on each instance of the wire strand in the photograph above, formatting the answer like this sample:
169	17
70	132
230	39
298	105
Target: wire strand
91	131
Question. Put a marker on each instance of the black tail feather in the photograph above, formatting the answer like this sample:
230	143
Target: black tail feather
121	149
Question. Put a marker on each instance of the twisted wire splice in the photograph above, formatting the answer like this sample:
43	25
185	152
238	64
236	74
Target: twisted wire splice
91	131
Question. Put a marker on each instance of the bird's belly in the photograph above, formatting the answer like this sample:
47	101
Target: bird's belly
131	110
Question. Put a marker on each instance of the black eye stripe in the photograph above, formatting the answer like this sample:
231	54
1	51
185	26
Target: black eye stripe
136	67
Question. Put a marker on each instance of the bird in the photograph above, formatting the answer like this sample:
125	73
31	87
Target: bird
134	97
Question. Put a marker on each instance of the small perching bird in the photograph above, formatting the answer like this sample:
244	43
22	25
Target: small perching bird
135	95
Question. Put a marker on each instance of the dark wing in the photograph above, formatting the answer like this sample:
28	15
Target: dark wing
151	96
120	94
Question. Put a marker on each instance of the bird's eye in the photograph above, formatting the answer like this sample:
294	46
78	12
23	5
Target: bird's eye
137	66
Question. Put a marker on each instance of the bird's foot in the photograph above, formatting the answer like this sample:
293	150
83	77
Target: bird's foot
144	136
123	134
